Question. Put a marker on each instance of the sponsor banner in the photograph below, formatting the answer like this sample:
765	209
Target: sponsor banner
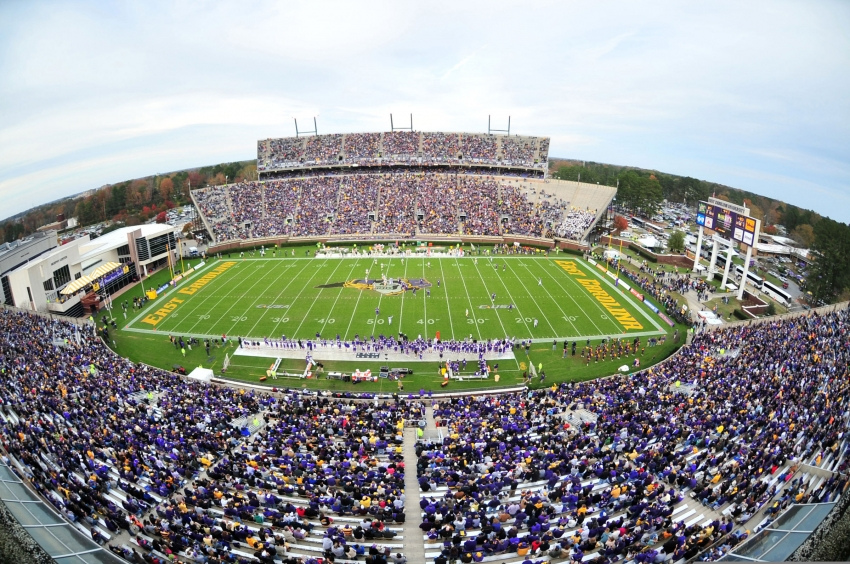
666	319
591	261
611	275
601	267
624	285
651	306
637	294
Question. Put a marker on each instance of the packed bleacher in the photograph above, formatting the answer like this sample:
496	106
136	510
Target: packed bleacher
746	419
198	472
362	148
400	204
403	148
740	420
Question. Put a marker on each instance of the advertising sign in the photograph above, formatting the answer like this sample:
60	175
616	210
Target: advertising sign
727	223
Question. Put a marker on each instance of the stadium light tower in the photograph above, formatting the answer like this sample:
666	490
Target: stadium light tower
393	127
491	131
298	132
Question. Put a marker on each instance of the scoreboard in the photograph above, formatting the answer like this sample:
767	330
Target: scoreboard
728	223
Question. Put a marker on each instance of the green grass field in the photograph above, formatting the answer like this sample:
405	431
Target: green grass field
563	306
537	298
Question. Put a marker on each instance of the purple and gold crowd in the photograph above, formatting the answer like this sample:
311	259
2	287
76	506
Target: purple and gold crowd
125	449
594	471
402	148
399	204
731	421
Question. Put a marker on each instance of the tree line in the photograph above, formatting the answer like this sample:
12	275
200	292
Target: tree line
642	191
130	202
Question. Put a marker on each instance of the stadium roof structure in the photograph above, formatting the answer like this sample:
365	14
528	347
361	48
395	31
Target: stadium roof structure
118	238
779	540
60	539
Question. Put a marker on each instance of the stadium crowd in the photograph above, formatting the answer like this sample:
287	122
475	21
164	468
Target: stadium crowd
588	471
328	204
362	148
402	148
575	223
118	447
758	402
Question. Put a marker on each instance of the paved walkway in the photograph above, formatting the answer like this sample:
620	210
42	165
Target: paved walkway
414	545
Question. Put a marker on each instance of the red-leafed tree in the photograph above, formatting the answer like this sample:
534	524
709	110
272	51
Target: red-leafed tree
621	223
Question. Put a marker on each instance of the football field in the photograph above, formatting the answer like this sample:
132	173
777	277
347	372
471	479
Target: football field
446	297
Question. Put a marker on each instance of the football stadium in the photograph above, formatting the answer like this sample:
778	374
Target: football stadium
403	347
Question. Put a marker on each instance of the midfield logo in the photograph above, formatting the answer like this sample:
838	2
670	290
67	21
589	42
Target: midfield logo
388	287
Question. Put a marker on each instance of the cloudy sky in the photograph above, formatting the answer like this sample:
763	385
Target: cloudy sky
754	95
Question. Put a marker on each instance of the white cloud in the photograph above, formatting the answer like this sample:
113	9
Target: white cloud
751	95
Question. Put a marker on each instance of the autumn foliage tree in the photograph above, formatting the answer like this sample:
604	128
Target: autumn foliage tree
166	188
621	223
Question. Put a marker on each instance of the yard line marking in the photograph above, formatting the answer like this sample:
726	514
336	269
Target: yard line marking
353	312
314	301
316	271
375	323
516	304
469	299
531	295
489	293
569	296
448	305
224	297
288	284
257	281
341	290
425	302
400	313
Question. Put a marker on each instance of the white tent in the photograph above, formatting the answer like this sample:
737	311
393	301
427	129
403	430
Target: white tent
649	242
201	374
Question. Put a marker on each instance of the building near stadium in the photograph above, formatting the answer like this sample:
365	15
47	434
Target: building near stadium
14	255
62	278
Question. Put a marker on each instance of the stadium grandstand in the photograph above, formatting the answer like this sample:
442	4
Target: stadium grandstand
686	459
402	185
499	154
707	455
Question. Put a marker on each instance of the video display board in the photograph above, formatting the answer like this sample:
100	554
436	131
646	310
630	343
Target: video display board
727	223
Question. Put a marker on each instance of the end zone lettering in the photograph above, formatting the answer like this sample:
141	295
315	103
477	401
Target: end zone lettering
595	289
205	279
162	313
620	314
